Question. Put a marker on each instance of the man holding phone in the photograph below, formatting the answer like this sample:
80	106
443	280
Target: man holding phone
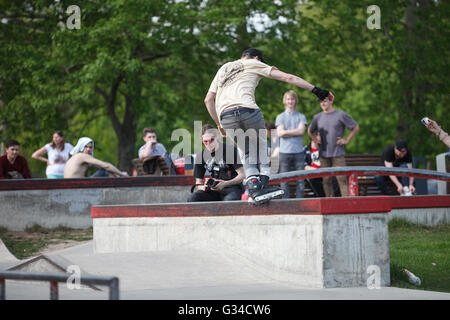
151	146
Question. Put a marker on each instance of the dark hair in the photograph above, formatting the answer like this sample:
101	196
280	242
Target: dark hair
148	130
207	127
251	53
61	134
400	144
11	143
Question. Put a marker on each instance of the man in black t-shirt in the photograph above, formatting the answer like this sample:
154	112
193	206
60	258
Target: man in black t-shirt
222	162
397	155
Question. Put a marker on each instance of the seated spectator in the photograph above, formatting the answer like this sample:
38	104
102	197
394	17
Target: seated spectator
227	174
82	157
57	155
397	155
151	146
13	165
441	134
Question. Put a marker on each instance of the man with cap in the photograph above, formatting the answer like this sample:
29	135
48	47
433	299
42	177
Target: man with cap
397	155
231	103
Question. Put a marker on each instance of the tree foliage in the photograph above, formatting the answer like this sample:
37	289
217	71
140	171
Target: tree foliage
134	64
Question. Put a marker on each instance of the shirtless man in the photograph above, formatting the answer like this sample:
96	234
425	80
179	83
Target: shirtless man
82	157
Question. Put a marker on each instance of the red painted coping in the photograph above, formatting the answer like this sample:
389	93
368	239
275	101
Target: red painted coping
316	206
429	201
105	182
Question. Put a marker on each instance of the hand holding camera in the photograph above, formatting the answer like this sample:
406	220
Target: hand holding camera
211	183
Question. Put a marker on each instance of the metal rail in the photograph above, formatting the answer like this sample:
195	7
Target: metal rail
54	278
354	172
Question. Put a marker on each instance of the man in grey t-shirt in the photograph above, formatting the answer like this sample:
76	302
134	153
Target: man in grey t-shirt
291	126
151	146
331	124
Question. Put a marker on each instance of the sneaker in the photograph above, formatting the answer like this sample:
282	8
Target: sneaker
406	191
259	190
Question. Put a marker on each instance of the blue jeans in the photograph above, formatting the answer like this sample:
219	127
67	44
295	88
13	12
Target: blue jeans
246	127
381	181
297	161
100	173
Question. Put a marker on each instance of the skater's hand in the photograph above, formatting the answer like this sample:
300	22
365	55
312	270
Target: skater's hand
412	188
400	189
321	94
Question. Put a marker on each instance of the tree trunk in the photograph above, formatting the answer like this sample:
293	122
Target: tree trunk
127	138
125	130
414	89
409	70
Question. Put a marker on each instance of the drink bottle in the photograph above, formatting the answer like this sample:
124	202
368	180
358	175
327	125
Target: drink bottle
412	277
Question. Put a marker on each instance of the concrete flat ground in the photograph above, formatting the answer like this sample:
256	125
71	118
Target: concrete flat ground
189	275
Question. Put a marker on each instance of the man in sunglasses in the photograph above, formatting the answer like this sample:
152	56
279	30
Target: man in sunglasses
231	103
220	161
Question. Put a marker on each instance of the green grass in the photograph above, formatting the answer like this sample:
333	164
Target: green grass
425	251
28	243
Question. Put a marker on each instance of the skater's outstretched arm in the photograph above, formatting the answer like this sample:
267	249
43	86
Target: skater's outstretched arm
301	83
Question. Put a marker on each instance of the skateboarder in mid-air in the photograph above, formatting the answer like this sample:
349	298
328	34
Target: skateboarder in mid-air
231	103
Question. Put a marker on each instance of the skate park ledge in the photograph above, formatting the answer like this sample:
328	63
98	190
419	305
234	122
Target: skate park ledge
319	242
322	242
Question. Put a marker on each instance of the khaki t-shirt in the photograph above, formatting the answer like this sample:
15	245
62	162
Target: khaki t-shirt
236	81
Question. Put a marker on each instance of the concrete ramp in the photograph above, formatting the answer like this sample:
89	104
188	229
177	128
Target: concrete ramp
6	257
190	274
54	263
168	269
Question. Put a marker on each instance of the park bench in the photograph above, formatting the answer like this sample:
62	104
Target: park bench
366	184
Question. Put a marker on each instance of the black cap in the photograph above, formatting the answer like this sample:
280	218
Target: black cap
252	52
401	145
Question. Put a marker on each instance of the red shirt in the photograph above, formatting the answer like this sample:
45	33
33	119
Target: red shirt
315	161
19	165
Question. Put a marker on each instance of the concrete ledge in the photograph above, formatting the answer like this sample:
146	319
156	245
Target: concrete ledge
423	210
311	206
72	207
89	183
315	243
